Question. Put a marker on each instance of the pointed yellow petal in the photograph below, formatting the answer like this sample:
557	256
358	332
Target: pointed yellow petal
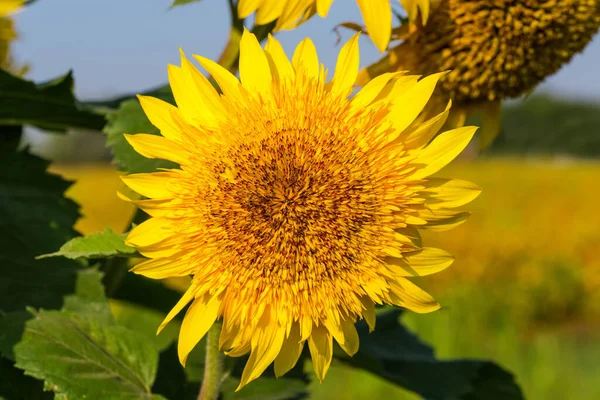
449	193
409	103
490	127
200	316
255	73
377	15
372	90
369	312
305	59
159	114
426	261
442	220
269	11
290	352
154	185
247	7
185	299
281	67
161	268
229	84
206	92
266	345
292	13
420	135
442	150
148	233
154	146
412	8
408	295
346	68
323	7
351	340
320	346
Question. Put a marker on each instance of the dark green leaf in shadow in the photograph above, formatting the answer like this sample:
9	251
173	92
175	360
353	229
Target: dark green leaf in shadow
171	379
50	105
36	218
395	354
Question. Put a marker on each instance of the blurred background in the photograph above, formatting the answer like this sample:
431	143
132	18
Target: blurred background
524	289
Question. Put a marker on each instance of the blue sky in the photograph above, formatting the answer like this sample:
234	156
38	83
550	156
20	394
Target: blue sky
123	46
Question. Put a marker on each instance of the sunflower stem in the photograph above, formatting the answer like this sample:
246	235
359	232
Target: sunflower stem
213	365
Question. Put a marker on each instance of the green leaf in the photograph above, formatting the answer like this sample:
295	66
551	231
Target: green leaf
395	354
89	299
80	358
130	118
36	218
96	245
49	105
182	2
171	379
145	321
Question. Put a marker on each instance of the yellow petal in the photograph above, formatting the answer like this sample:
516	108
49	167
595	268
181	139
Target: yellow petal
255	73
426	261
351	340
323	7
320	346
185	299
281	67
409	103
442	220
149	232
247	7
229	84
449	193
266	344
269	11
291	14
377	15
200	316
305	59
346	68
159	114
9	6
420	135
412	8
154	146
369	312
290	351
161	268
442	150
154	207
372	90
154	185
408	295
490	127
206	92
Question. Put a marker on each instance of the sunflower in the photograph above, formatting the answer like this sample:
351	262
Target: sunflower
494	49
290	13
297	207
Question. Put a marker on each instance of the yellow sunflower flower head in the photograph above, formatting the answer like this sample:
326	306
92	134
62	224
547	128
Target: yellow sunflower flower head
377	14
494	50
297	207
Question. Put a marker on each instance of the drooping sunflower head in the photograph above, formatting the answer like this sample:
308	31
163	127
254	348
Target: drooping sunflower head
297	206
494	50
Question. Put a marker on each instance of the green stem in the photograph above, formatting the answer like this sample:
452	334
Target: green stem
213	365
